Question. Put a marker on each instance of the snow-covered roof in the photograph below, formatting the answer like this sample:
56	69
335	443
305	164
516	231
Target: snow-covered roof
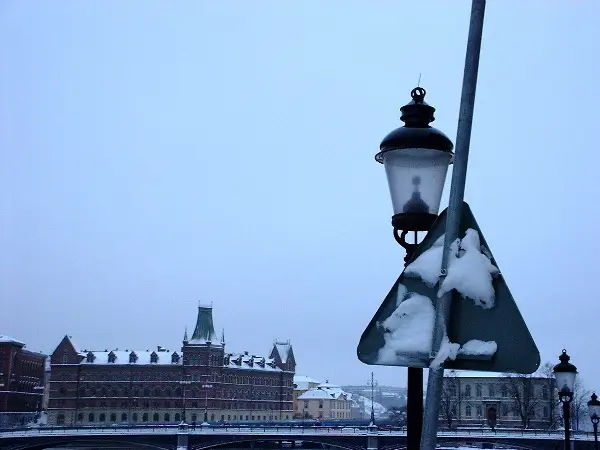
9	340
250	362
163	357
303	383
283	348
315	394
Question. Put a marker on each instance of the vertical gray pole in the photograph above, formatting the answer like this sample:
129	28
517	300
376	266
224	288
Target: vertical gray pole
457	191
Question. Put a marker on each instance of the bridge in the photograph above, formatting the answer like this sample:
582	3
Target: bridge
208	437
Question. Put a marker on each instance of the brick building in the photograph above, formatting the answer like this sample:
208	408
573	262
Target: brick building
201	381
21	381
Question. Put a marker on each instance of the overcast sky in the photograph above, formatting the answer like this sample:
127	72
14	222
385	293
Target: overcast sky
156	154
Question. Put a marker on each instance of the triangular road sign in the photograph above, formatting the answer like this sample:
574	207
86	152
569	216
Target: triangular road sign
503	323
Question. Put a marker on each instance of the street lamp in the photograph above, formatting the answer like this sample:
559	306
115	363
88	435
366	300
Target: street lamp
207	387
185	382
565	374
594	411
416	157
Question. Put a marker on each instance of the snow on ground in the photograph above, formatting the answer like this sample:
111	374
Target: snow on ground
364	404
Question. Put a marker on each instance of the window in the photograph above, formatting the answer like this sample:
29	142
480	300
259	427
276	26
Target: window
157	392
468	411
153	358
155	417
60	420
478	390
113	417
65	358
504	410
320	404
145	417
492	390
545	392
479	411
134	417
212	417
545	412
124	417
90	417
167	417
467	390
102	417
177	417
167	392
504	391
80	417
194	417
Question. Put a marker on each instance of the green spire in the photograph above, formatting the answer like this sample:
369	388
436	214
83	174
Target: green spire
205	330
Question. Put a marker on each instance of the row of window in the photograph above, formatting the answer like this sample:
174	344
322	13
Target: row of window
504	391
60	403
504	411
156	417
173	376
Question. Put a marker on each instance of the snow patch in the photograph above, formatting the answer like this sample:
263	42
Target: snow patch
408	330
428	265
476	347
448	350
470	271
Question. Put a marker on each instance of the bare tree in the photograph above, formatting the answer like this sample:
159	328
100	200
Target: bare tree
579	403
450	401
522	390
555	418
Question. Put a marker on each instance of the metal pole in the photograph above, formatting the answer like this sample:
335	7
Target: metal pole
596	435
457	191
567	420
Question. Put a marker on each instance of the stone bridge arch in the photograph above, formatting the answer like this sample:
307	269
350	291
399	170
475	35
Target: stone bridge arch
88	442
239	441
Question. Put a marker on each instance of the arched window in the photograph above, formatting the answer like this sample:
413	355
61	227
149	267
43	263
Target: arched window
212	417
168	392
80	417
479	411
102	417
178	392
134	417
123	417
478	390
155	417
157	392
146	392
90	417
468	411
145	417
492	391
177	417
113	417
167	417
60	420
504	391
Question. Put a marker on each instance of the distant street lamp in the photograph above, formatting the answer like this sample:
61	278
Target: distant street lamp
416	157
594	411
185	382
565	374
207	387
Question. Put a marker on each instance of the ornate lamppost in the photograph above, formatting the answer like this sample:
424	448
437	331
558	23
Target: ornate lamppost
565	374
206	386
594	412
186	381
416	157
